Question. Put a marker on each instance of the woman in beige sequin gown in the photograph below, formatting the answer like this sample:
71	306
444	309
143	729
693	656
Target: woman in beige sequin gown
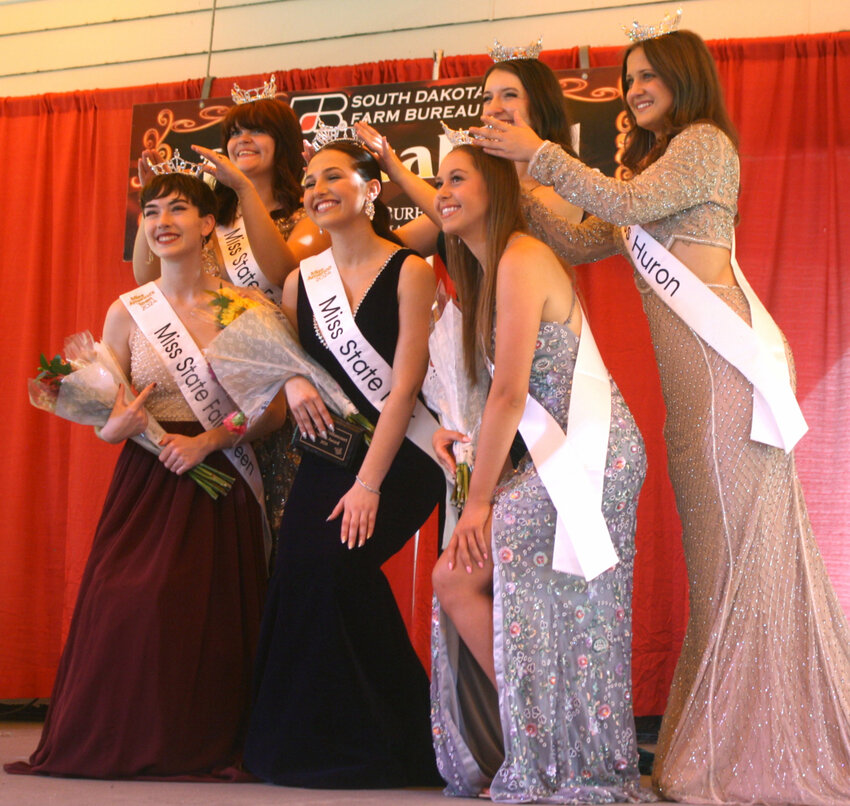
759	709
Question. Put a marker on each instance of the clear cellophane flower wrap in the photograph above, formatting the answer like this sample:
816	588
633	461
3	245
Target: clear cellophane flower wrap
83	389
448	389
258	351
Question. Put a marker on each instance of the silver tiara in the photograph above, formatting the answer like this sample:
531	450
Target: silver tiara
639	33
268	90
177	165
458	137
342	132
505	53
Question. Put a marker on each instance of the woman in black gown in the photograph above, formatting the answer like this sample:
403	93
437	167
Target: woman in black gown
341	699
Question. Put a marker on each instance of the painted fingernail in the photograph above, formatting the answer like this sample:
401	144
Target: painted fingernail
468	569
324	434
451	566
312	437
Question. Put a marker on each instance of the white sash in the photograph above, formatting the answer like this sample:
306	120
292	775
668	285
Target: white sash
362	363
240	263
758	352
186	364
572	465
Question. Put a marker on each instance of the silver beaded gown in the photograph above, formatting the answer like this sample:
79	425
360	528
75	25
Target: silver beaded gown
563	729
759	710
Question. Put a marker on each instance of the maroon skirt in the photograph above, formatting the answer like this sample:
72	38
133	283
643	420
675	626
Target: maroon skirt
154	679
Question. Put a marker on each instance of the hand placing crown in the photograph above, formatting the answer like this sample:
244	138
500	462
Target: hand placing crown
267	91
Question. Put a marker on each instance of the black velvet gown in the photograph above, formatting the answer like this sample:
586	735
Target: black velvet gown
341	699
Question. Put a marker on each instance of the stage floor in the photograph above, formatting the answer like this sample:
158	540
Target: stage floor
18	740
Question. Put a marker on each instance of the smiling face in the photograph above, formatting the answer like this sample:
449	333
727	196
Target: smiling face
334	191
174	227
503	95
649	98
251	150
461	201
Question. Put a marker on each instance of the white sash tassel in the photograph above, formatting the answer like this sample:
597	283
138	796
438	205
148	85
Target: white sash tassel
572	465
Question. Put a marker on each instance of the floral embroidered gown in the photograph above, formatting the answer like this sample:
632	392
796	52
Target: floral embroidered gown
562	730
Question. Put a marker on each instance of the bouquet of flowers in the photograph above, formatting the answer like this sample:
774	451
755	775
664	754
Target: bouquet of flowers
82	388
449	391
258	351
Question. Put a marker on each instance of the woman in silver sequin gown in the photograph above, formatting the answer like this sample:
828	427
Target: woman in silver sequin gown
556	646
759	710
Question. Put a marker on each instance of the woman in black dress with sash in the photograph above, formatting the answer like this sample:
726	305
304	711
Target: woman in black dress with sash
341	698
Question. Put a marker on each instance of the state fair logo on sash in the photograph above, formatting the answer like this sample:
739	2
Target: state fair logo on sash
186	364
758	352
239	261
363	364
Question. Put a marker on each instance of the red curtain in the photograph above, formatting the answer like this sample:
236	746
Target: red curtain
63	190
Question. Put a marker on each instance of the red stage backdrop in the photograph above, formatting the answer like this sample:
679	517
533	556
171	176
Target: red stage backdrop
65	183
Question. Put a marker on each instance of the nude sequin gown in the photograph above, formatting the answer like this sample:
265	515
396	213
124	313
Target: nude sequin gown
759	710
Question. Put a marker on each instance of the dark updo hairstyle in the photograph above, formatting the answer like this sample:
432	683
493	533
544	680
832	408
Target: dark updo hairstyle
476	284
197	192
547	107
367	169
685	65
275	118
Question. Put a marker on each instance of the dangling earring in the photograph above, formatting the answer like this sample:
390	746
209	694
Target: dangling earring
369	209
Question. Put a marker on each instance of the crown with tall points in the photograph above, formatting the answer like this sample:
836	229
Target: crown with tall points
268	90
505	53
177	165
640	33
458	137
341	133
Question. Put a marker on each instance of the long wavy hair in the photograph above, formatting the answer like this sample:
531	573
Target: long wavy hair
547	108
685	65
368	169
476	284
275	118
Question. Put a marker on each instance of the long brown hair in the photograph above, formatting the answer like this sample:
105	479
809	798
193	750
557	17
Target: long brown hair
275	118
476	284
547	107
685	65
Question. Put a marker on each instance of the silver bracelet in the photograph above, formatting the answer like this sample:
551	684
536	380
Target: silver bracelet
365	486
